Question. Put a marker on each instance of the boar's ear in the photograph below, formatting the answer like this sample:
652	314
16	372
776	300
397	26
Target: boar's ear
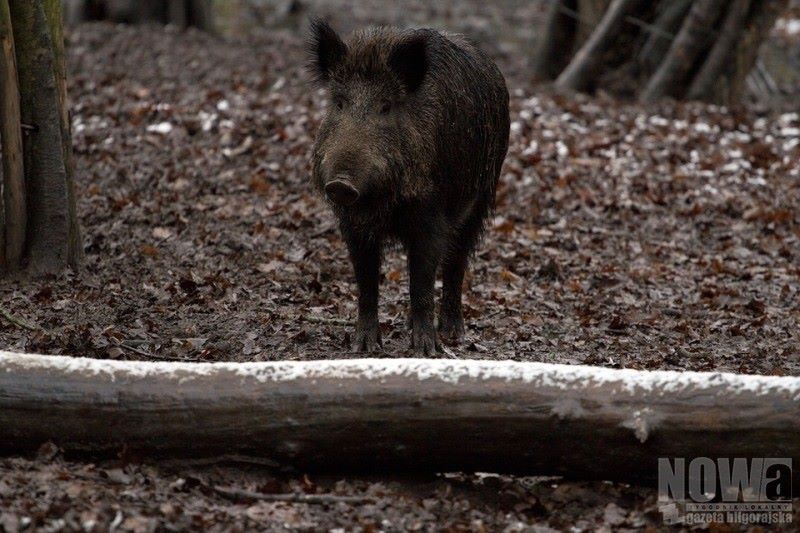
409	60
325	49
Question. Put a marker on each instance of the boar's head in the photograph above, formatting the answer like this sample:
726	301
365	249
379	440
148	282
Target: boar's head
375	145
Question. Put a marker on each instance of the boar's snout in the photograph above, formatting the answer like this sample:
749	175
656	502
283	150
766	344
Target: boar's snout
341	191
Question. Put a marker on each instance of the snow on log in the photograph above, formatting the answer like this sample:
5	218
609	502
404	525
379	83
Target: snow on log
399	414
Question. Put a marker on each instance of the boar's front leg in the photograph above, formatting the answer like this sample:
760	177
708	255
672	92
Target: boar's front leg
365	253
424	252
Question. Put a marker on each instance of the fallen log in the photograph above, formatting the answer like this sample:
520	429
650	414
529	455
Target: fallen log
399	415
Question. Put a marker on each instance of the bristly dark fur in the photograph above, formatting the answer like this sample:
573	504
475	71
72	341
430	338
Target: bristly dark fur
418	126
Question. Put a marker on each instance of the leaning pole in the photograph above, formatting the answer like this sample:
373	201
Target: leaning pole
400	415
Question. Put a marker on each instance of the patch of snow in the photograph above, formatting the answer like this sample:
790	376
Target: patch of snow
207	120
162	128
562	150
279	84
788	118
531	149
702	127
790	27
544	375
731	167
656	120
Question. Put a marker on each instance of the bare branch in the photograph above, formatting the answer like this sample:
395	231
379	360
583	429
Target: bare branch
241	494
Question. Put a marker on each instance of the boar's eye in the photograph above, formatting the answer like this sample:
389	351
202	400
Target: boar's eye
386	106
338	101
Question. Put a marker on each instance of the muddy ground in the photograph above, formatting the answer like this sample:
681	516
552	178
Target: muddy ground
625	237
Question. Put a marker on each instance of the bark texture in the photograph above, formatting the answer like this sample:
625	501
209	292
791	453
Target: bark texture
52	236
690	42
401	415
14	210
55	20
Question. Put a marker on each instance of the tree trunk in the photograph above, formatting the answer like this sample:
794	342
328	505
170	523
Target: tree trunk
180	13
721	52
55	18
761	18
590	13
176	13
401	415
668	48
664	28
555	46
201	15
686	48
578	74
14	210
52	236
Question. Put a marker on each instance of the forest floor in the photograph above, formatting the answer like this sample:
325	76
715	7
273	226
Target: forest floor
664	238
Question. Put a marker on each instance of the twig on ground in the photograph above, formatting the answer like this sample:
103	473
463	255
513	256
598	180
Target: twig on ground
18	321
133	349
240	494
157	340
151	355
328	320
222	459
138	342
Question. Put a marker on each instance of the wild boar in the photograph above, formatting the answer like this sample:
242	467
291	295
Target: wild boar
410	150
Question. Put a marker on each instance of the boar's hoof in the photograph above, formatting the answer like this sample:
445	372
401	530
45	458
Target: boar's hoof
451	330
423	340
341	192
368	339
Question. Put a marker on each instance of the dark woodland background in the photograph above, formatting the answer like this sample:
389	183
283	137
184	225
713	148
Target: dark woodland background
630	232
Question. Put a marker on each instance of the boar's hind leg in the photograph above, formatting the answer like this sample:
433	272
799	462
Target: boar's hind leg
365	253
451	320
424	252
454	266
